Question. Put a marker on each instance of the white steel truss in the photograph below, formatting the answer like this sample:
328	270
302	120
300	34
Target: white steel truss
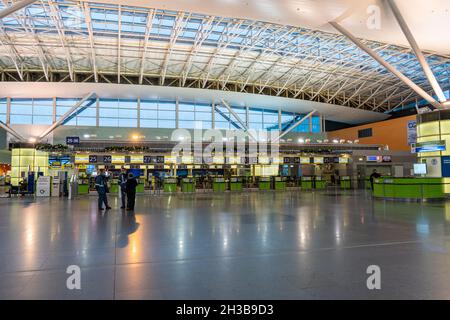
78	41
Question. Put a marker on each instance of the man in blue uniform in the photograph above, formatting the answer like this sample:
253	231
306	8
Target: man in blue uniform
102	188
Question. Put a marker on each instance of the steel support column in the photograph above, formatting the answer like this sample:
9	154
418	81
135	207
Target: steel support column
419	54
66	115
15	7
11	131
294	126
387	65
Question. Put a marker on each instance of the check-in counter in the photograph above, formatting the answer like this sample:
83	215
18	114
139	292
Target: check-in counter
320	183
140	187
279	183
114	188
306	182
345	182
409	188
188	184
170	185
236	184
83	187
264	183
219	184
367	184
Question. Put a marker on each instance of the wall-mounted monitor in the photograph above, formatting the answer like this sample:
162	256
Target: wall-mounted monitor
420	168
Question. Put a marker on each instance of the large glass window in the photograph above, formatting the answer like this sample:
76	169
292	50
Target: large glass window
194	115
222	118
154	114
3	108
270	120
31	111
158	114
87	117
118	113
316	126
289	119
255	119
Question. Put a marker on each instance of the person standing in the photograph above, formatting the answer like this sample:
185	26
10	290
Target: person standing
131	191
373	176
123	177
102	189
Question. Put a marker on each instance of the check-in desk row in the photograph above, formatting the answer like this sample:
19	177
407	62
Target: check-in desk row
220	184
314	182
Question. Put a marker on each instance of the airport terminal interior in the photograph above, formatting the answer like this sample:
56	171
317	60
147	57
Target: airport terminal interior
224	149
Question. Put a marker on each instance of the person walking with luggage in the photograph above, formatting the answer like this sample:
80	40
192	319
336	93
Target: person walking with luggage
123	177
131	191
102	189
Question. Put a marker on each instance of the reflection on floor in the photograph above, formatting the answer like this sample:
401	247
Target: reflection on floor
273	245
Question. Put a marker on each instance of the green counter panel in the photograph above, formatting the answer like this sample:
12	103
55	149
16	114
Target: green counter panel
307	184
419	188
140	188
280	185
187	187
83	189
321	184
170	187
346	184
114	188
219	186
264	185
236	186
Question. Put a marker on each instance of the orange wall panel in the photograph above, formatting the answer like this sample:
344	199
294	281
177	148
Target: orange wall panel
389	132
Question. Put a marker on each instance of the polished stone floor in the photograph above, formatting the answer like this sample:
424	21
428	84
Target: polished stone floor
269	245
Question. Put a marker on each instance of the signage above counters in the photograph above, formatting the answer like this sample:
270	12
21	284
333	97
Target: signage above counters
429	146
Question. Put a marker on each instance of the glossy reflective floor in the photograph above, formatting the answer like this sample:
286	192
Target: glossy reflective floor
270	245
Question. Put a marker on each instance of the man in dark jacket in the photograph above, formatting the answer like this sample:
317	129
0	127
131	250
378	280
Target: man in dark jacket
373	176
123	177
102	189
131	191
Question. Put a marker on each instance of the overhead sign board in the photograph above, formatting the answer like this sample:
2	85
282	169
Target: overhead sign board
429	146
82	158
70	141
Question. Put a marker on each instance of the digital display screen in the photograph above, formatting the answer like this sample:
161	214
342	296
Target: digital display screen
318	160
373	159
136	159
420	168
304	160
